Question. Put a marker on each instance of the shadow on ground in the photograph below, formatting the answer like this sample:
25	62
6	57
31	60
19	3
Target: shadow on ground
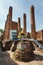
6	60
38	57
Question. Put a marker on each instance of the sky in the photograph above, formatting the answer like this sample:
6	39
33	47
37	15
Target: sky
19	8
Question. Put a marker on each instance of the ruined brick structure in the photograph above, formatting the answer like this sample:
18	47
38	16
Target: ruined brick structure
12	25
36	35
39	35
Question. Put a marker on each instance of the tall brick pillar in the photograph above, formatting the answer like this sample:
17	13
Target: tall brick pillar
33	29
24	21
10	13
19	25
8	17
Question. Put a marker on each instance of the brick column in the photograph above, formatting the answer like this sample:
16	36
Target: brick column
24	21
10	13
19	25
33	29
8	17
8	25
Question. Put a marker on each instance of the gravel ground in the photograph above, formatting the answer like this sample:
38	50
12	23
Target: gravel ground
6	58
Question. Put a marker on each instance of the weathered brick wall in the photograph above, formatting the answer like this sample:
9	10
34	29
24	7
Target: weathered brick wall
14	26
39	35
6	35
10	26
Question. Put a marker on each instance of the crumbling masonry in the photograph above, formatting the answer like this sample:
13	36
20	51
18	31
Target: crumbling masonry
12	25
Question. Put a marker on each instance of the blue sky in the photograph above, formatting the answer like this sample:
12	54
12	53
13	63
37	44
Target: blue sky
20	7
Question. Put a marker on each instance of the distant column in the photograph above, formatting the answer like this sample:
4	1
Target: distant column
24	21
19	25
10	13
8	17
33	29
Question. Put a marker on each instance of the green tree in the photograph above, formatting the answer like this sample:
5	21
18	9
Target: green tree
1	30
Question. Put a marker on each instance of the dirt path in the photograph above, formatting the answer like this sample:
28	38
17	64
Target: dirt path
6	58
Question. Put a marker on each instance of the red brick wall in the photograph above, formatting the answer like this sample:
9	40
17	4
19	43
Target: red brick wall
10	25
39	35
14	26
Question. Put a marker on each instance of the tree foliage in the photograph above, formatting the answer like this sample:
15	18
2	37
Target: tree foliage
1	30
